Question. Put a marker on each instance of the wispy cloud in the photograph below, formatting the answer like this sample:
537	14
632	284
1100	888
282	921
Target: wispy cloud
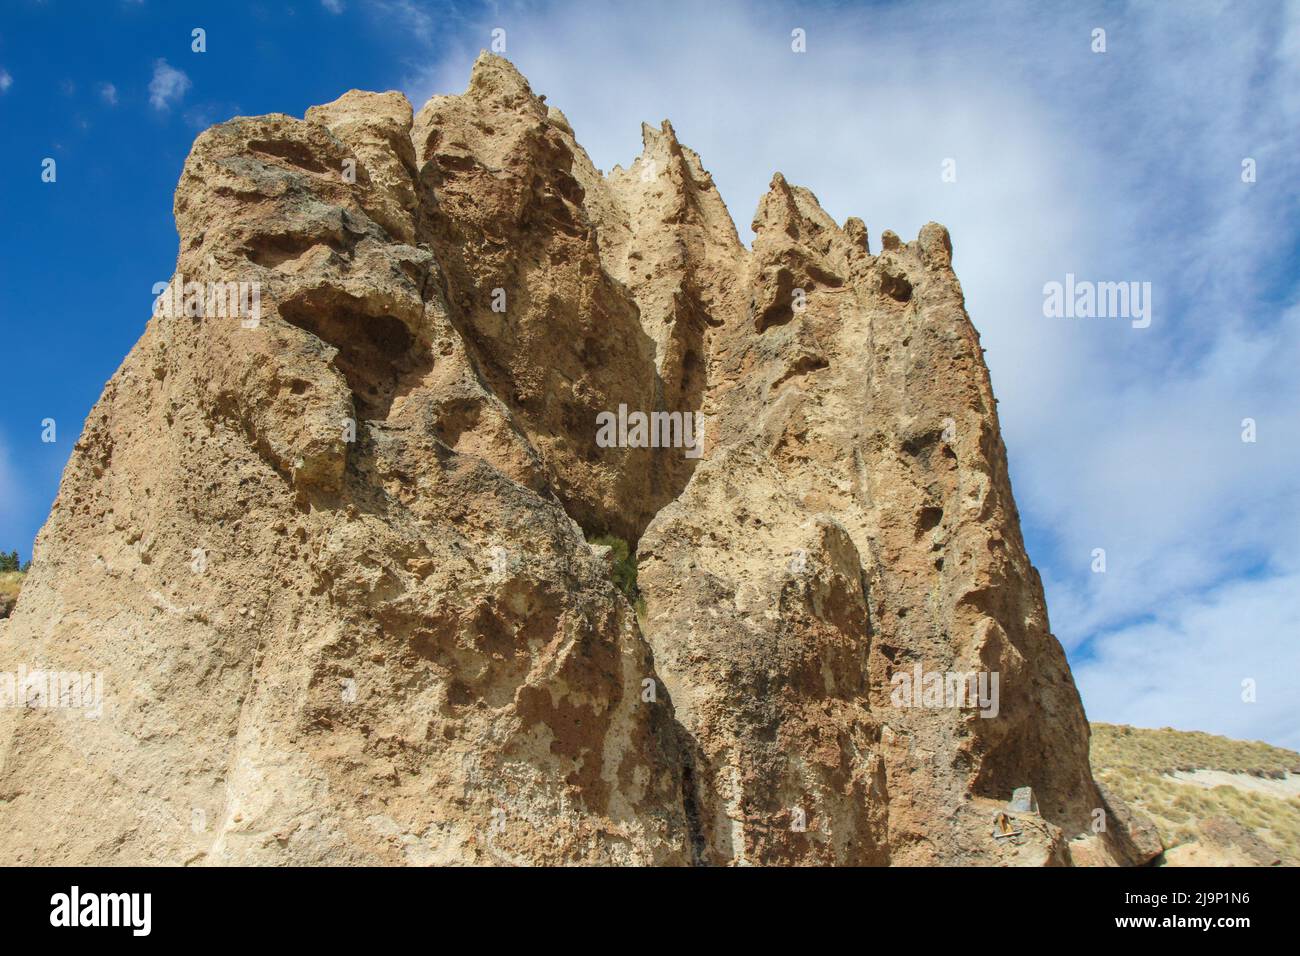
168	85
333	6
6	80
108	93
1224	661
1116	166
408	17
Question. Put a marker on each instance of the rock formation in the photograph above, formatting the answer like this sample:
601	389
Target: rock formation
329	549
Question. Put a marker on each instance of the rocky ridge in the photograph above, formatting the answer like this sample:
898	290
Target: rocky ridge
333	563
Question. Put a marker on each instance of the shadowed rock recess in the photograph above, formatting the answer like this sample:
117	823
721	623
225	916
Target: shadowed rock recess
400	647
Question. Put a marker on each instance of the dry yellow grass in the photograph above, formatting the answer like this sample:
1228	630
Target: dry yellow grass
11	582
1138	765
1166	750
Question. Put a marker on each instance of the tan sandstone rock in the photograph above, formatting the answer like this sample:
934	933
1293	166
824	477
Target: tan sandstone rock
332	565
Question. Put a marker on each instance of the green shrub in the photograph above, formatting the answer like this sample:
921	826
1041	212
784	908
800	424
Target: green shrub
623	565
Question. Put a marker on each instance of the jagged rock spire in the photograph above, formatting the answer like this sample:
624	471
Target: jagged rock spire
339	562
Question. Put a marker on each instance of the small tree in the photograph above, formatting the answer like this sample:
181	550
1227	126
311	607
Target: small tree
9	562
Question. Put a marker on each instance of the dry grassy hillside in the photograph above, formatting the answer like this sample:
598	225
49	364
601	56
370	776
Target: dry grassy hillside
11	583
1215	801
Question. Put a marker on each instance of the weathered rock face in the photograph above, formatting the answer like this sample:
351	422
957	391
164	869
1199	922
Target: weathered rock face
332	564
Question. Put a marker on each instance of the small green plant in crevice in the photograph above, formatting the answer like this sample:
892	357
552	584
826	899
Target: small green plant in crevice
622	566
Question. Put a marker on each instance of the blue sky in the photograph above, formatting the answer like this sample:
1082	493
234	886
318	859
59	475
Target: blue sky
1115	166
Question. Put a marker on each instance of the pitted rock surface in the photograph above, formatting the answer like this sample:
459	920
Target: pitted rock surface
333	565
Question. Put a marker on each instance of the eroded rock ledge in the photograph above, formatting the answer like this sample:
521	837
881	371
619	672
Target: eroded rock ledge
334	568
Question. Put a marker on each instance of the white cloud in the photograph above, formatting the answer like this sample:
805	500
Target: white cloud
333	6
167	86
1117	166
108	92
408	17
1186	668
1155	472
6	80
200	117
